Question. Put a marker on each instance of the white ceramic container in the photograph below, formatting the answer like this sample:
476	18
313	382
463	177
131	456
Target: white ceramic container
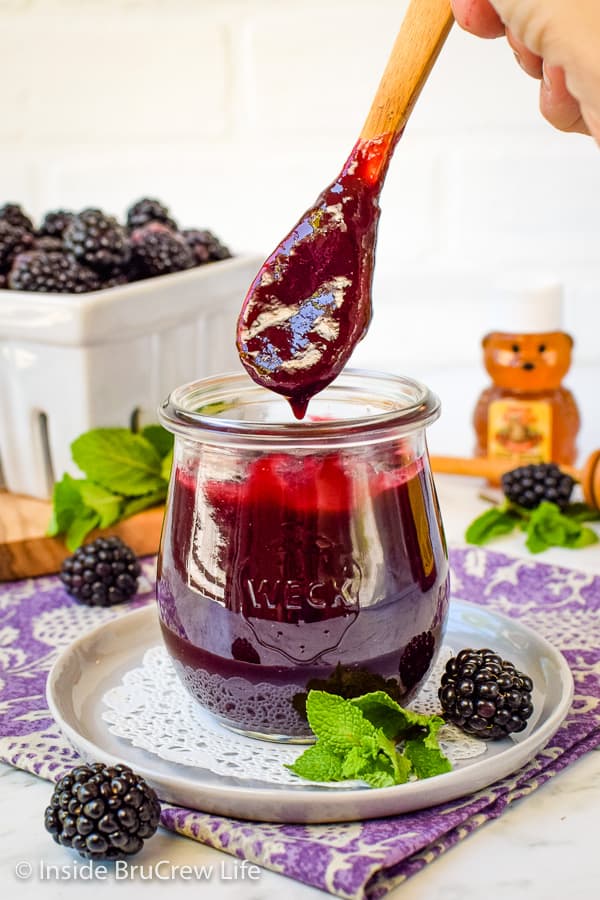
69	363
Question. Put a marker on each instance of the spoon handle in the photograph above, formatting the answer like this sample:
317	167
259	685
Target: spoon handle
422	34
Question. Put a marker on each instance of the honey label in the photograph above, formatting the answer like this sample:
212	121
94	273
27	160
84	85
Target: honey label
520	430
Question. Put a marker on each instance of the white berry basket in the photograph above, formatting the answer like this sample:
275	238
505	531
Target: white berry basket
69	363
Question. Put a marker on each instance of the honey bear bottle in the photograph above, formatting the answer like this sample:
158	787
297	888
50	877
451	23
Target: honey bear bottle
526	415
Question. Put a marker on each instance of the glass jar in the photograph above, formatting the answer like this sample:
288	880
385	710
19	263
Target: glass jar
300	554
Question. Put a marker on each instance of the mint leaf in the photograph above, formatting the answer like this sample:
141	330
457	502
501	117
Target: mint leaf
100	500
490	524
426	761
118	460
80	527
66	503
336	722
161	439
381	777
356	738
318	763
137	504
549	527
585	538
425	754
383	712
581	512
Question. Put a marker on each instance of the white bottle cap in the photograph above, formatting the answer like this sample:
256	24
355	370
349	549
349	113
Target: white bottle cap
526	304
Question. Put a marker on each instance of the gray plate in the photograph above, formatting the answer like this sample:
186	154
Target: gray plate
98	660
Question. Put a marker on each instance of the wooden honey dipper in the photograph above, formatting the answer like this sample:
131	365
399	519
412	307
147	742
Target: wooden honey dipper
493	469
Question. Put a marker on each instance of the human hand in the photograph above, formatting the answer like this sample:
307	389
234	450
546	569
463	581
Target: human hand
557	41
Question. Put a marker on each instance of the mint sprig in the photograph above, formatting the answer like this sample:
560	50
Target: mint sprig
545	526
371	738
126	472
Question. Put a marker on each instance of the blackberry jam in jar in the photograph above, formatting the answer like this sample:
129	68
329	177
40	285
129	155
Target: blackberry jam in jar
300	554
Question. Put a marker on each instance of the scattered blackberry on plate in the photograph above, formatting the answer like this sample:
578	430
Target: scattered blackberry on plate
529	485
14	215
13	240
101	573
149	210
485	695
97	240
205	245
50	273
55	223
103	812
157	250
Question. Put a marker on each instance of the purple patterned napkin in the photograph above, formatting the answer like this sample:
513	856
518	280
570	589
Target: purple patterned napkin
352	860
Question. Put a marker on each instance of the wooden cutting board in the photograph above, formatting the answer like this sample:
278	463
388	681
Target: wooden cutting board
26	550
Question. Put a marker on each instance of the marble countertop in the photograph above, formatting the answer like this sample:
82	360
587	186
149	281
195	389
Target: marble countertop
542	848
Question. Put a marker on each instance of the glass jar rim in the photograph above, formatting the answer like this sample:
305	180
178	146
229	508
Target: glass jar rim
401	405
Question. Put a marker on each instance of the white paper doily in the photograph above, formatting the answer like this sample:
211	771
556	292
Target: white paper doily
153	711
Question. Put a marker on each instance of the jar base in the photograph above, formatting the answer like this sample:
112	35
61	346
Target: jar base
262	736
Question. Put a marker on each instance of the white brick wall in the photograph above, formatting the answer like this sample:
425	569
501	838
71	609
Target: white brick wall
238	112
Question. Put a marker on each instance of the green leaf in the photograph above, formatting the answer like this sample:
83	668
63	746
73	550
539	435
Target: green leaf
336	722
490	524
66	503
581	512
118	460
549	527
161	439
102	501
383	712
356	738
585	538
80	527
318	763
383	777
137	504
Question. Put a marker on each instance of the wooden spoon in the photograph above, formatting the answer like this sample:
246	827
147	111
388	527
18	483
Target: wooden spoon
310	303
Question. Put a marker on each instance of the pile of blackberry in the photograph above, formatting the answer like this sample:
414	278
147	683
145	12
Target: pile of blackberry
103	812
529	485
75	252
485	695
102	573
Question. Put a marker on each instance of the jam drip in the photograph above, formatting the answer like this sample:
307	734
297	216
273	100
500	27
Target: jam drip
310	304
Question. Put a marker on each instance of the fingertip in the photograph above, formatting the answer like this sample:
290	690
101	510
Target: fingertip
478	17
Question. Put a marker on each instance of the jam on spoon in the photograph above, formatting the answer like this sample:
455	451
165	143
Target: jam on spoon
310	303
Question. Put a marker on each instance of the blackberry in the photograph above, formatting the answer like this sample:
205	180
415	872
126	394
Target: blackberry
149	210
50	244
49	273
13	240
415	659
55	223
205	245
97	240
103	812
101	573
157	250
14	215
530	485
115	280
485	695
